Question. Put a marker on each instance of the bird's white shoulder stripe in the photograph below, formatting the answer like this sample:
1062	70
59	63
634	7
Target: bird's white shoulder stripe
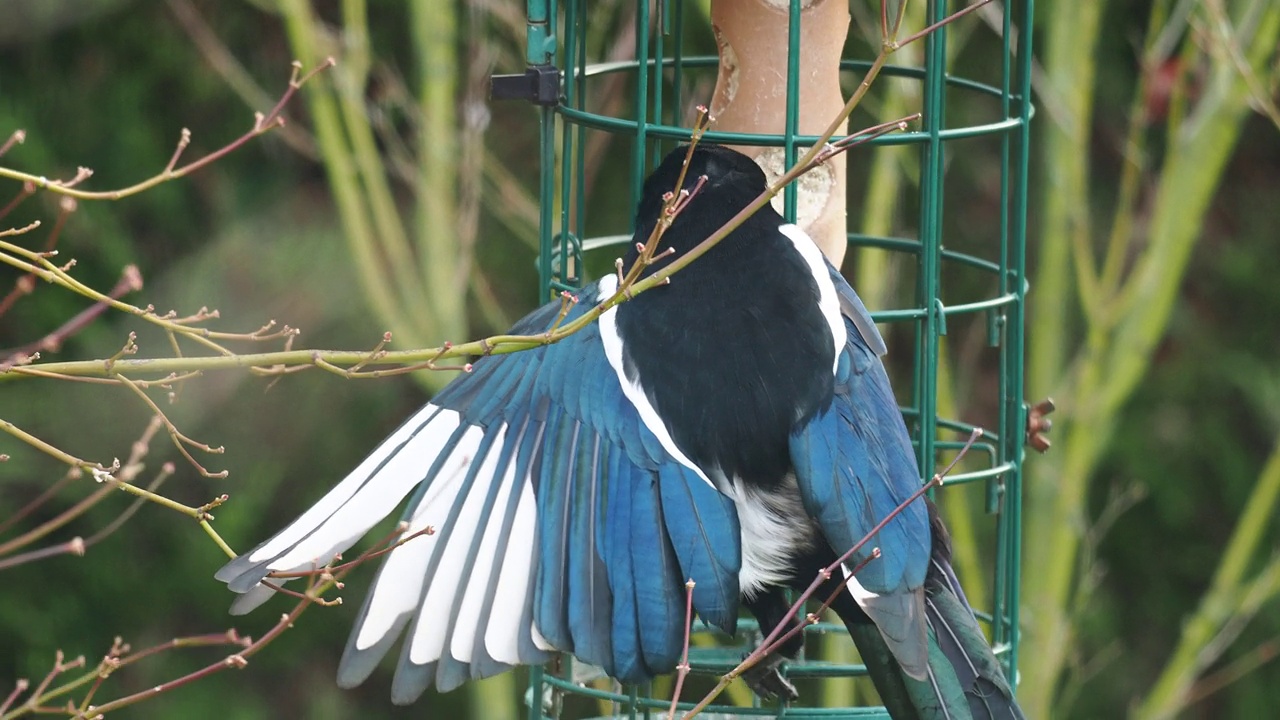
828	300
632	390
398	589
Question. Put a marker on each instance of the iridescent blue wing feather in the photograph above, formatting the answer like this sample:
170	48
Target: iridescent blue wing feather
855	463
854	466
561	524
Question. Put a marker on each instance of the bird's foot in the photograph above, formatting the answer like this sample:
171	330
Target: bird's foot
766	680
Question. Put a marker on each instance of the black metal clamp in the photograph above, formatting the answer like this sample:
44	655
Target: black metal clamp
539	84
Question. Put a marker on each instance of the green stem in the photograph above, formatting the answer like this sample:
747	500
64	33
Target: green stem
1221	603
1115	360
434	24
342	175
390	238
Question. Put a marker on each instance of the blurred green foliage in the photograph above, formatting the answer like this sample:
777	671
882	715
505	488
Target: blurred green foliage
110	83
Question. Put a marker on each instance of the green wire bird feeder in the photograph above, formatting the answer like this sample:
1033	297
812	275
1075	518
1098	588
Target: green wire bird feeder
775	73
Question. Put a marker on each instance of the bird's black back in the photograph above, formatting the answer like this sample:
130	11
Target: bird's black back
735	350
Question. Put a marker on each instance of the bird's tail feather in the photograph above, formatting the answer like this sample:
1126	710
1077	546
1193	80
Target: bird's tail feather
964	679
954	631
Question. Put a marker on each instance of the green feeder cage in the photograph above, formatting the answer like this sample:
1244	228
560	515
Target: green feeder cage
666	70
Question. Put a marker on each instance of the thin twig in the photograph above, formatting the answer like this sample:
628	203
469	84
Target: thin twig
320	582
28	189
127	472
166	471
682	670
225	64
180	440
1263	653
17	137
262	124
99	472
19	687
40	499
25	284
74	546
378	549
130	281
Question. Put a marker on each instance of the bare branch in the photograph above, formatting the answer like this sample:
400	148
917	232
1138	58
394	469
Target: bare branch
262	124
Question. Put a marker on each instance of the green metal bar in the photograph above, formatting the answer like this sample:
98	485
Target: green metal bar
659	50
733	710
680	134
678	65
897	244
927	280
642	100
573	20
546	198
996	490
1017	321
789	194
580	171
536	686
540	50
540	38
659	39
708	61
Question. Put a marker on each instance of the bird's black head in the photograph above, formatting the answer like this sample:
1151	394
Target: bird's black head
733	180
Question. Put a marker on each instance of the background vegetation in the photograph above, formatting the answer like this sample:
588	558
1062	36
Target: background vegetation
399	199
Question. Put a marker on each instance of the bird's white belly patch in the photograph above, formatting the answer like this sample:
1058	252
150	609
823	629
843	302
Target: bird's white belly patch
774	528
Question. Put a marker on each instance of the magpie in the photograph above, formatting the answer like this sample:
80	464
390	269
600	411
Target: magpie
735	427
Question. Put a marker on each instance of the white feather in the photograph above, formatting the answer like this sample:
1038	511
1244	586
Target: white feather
502	637
860	594
374	500
437	607
539	641
772	533
398	589
828	299
467	626
439	428
648	415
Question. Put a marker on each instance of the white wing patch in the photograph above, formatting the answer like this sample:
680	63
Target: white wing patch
632	390
442	425
360	504
860	594
486	564
828	300
398	589
502	637
434	616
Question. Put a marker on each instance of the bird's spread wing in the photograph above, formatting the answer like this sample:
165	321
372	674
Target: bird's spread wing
854	465
561	523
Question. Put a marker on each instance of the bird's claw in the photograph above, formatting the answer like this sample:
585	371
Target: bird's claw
767	682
